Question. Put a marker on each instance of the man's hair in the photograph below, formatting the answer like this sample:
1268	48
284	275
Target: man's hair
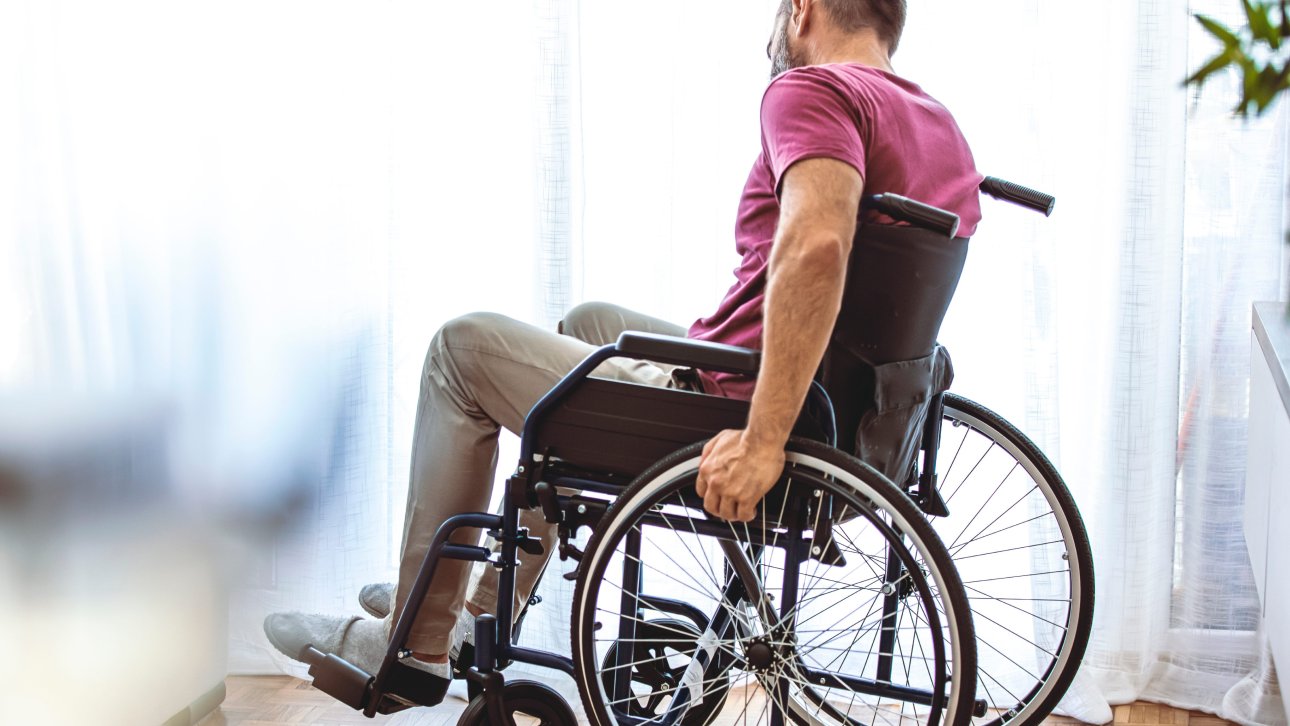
886	17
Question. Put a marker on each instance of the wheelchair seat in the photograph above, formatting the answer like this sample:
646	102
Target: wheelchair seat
620	428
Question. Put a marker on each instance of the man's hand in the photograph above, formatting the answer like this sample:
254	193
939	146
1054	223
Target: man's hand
735	473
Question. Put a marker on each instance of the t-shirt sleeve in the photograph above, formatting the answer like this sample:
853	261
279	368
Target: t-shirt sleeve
805	116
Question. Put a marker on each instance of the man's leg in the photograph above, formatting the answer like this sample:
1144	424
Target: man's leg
596	324
482	372
600	323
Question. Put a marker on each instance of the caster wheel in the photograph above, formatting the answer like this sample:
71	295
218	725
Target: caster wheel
526	703
660	660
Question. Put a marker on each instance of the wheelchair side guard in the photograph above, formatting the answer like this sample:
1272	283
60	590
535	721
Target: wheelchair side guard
621	428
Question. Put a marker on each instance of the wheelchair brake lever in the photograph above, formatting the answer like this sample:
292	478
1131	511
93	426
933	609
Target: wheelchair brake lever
568	551
530	545
549	502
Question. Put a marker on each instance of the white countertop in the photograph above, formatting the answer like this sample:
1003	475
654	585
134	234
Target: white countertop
1272	328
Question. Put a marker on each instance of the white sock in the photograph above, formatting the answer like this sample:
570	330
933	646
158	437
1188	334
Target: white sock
463	632
443	670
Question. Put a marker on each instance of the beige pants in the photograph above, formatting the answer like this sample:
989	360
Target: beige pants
483	372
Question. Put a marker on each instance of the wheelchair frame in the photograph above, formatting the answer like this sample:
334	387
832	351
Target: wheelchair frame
535	481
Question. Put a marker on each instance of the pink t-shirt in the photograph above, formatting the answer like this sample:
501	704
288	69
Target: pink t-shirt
899	139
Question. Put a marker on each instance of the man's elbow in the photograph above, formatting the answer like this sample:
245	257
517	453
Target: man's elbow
819	252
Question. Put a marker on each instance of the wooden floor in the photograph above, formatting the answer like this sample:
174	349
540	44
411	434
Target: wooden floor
281	700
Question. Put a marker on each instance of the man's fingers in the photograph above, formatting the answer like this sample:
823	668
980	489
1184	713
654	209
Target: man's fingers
712	504
701	483
730	509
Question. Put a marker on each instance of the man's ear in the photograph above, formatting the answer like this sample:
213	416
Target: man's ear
803	15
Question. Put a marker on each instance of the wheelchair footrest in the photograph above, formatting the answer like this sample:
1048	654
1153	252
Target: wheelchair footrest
415	686
339	678
404	686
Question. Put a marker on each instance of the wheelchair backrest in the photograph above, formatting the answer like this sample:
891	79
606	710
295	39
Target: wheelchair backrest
883	365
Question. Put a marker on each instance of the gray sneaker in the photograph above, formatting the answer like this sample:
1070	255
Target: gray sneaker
377	599
361	642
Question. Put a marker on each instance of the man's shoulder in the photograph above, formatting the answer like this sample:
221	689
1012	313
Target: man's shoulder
799	85
849	80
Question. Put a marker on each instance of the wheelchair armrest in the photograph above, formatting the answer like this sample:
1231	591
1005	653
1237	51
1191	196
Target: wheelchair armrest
689	352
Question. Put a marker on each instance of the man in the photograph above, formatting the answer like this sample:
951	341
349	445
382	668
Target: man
836	122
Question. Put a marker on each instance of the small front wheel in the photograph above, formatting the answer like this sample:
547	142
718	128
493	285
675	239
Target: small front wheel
525	702
663	652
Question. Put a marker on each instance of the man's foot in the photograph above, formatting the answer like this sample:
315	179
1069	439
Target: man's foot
362	643
377	599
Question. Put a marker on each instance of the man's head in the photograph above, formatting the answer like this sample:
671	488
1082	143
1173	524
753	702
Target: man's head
883	20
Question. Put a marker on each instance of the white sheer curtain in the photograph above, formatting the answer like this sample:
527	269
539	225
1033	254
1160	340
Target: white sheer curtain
1114	333
1129	344
263	211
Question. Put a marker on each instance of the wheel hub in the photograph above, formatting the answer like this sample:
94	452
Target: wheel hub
759	655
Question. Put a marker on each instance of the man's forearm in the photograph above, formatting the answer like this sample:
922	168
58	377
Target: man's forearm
803	296
807	271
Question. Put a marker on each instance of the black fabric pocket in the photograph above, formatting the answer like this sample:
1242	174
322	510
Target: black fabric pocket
890	432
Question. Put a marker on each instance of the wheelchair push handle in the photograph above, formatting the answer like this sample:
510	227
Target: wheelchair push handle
1017	194
916	213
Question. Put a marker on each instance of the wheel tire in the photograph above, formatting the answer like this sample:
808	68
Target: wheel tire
862	490
975	439
529	698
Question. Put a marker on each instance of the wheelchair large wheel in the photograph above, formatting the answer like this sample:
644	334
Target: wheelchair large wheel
793	603
1022	551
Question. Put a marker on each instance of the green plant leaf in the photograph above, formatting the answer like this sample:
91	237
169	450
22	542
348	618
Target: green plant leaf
1249	86
1271	82
1258	16
1212	66
1264	75
1220	31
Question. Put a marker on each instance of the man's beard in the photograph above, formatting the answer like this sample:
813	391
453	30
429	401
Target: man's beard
784	59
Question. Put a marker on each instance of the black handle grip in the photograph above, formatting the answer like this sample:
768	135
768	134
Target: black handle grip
916	213
1017	194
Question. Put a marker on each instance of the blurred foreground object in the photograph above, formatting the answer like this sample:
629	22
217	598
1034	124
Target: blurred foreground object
113	603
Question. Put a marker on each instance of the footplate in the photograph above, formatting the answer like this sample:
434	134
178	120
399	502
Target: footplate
338	678
354	687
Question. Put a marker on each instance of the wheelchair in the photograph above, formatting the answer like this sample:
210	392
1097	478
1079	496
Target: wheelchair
933	569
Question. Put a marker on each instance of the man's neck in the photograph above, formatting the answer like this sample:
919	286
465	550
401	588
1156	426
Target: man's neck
862	51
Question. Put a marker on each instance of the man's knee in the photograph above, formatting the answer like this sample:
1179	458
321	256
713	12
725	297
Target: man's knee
583	320
465	331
